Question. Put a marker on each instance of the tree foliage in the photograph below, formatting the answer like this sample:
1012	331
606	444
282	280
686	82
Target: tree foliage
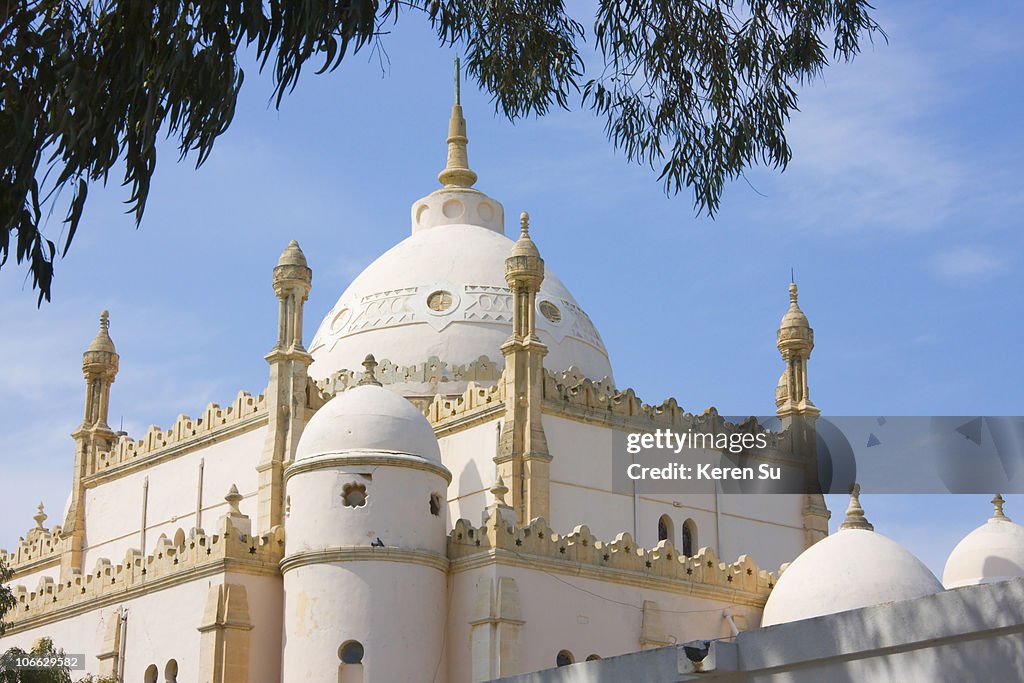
7	600
43	647
697	89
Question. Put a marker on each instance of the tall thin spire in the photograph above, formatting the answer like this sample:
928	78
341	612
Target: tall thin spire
457	172
458	82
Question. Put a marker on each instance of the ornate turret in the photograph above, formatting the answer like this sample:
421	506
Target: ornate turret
793	405
99	368
286	393
292	281
523	459
795	343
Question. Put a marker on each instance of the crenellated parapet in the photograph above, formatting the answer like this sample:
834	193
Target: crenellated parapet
567	393
36	548
620	560
474	400
572	395
213	420
181	559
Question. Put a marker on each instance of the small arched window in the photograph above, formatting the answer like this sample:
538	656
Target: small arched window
593	658
689	537
171	672
665	528
435	504
564	658
151	673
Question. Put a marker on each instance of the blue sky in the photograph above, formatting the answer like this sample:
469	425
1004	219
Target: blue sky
900	213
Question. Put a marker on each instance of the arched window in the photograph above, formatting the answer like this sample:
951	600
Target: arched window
593	658
171	672
351	668
689	537
151	673
564	658
665	528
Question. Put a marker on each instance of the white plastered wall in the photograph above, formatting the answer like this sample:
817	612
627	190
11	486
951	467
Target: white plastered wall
581	615
113	512
469	456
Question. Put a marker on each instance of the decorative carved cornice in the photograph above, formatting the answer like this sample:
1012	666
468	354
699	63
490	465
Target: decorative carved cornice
432	371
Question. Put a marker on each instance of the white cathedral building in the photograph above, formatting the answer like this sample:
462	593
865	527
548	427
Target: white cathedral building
425	495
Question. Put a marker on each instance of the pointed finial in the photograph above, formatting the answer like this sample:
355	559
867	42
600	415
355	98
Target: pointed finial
102	341
233	498
458	83
40	516
457	172
997	503
524	224
369	371
855	513
499	490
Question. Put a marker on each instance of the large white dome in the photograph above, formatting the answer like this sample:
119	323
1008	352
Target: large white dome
992	552
853	568
441	294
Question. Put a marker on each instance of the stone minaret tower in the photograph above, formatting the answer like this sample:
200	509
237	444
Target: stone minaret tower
523	459
286	393
795	342
99	367
793	405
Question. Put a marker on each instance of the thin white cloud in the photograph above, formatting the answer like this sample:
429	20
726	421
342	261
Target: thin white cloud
968	264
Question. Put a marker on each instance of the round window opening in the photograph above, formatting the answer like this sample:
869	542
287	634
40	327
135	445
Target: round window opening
440	300
353	496
564	658
551	312
351	652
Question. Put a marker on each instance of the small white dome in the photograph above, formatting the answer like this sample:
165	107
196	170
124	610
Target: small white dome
853	568
992	552
368	418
